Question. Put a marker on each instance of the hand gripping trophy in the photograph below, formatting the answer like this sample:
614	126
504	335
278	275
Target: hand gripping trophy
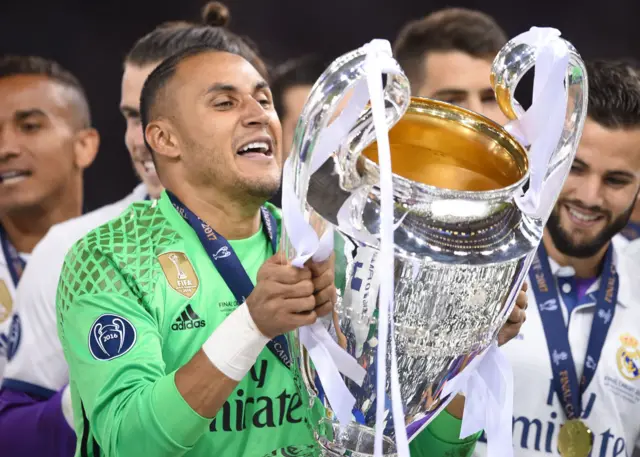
435	213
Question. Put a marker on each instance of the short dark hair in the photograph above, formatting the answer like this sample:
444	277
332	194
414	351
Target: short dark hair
13	65
451	29
614	93
303	71
173	37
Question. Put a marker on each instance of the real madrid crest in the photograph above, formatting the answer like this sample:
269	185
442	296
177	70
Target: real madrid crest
179	272
6	302
628	358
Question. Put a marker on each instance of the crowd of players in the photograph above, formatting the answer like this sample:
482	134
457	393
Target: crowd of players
210	123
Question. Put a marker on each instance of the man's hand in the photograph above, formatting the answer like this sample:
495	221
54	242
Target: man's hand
323	276
283	298
518	316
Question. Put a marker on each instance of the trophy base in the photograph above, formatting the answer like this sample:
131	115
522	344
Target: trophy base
355	440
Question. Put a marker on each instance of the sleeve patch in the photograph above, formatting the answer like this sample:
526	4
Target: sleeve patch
111	336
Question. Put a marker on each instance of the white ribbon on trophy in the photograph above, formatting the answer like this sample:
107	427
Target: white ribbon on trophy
307	245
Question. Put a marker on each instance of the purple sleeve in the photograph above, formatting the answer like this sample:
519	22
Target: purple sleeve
31	427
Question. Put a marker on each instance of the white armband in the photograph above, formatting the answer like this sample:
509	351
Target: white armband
235	345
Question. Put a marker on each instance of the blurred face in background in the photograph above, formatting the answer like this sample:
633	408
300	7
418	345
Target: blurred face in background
461	79
293	99
132	81
453	77
600	192
43	145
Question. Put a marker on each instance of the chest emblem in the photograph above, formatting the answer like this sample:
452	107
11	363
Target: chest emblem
179	271
628	358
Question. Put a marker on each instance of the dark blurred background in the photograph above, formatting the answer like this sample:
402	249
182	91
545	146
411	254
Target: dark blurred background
90	38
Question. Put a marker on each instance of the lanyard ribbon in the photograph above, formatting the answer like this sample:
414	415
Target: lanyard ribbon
15	263
565	378
226	261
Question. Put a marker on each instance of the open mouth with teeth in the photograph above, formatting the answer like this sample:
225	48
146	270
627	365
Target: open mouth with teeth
583	218
12	177
256	149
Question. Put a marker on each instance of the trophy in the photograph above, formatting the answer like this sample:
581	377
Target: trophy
464	233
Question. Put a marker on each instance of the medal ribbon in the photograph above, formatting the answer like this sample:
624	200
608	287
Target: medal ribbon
15	263
565	378
226	261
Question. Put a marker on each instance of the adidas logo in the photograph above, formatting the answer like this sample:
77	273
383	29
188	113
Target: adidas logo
188	320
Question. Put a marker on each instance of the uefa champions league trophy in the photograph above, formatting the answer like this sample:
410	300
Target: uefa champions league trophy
469	203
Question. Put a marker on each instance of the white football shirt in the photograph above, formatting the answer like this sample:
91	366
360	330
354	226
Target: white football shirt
9	323
38	365
611	403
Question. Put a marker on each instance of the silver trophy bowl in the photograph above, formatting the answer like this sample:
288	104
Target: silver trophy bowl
462	245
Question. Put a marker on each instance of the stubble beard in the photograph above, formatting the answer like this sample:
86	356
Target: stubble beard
565	243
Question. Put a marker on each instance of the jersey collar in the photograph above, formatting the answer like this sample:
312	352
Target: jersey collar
626	290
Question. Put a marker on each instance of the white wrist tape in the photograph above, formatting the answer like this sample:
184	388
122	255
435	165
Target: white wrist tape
235	345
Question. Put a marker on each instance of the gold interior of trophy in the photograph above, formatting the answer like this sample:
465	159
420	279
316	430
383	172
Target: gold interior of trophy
449	147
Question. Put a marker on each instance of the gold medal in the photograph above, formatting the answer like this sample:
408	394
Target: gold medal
575	439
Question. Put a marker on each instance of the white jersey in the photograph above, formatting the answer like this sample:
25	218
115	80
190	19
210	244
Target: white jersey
38	365
633	249
611	403
9	323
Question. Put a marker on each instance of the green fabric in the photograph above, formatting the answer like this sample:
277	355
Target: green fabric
131	402
441	438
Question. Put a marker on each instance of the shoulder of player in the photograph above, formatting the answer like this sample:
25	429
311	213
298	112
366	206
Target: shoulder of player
61	237
109	231
64	234
627	261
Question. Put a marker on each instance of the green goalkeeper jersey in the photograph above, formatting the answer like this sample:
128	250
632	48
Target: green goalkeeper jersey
137	298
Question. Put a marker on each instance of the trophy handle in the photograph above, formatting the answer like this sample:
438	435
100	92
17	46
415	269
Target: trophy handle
318	135
539	47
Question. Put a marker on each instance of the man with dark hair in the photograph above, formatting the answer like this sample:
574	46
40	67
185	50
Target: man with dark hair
46	141
447	56
182	355
587	385
208	116
36	416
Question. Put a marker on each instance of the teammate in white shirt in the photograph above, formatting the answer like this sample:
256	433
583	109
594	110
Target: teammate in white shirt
35	406
577	360
46	141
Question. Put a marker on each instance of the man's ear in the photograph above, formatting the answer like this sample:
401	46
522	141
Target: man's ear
162	138
85	147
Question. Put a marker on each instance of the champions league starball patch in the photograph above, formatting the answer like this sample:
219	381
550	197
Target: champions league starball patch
111	336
